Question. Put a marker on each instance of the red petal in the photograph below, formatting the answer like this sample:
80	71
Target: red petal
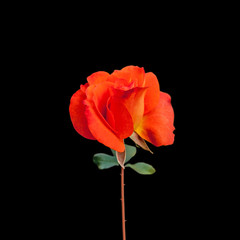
157	126
123	123
134	101
77	114
101	130
153	92
84	87
137	74
98	77
109	116
131	74
100	95
121	83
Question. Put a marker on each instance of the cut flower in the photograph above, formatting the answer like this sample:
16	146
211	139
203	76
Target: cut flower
112	107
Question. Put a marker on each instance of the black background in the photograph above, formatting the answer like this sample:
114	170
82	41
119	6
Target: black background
58	190
52	186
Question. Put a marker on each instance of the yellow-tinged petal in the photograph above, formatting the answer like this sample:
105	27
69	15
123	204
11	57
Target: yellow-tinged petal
157	126
133	99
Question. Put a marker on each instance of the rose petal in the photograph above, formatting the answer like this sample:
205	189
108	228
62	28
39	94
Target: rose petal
77	115
153	92
84	87
157	126
123	123
130	74
137	74
97	77
100	129
121	83
100	95
134	101
109	116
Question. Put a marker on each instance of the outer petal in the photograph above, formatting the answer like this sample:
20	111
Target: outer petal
99	94
98	77
153	92
101	130
84	87
131	74
77	114
157	126
123	123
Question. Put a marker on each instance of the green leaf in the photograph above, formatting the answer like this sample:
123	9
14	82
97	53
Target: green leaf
104	161
142	168
130	152
113	152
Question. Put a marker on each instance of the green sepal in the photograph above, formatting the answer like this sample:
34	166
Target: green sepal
105	161
142	168
130	152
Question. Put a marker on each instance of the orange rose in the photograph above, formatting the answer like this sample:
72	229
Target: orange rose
127	103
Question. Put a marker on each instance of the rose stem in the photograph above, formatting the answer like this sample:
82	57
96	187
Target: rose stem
123	204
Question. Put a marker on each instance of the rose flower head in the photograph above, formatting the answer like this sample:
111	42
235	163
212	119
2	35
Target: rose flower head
127	103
